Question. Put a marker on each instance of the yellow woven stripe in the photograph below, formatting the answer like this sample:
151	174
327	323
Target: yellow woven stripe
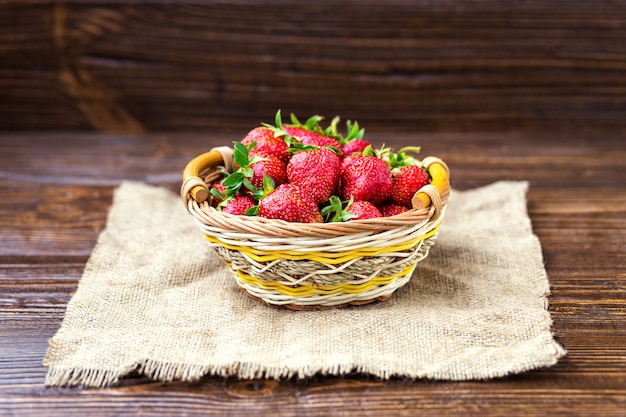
332	258
309	289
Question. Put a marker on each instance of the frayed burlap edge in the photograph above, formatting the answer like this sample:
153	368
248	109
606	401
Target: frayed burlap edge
169	372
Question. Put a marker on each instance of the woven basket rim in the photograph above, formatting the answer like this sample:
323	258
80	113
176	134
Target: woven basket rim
206	214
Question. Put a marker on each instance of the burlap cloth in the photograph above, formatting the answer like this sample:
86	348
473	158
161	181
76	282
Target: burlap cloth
155	300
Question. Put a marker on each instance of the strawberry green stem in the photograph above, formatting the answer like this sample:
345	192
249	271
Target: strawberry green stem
415	149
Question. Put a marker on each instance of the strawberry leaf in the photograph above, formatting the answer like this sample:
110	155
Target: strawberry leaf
312	122
217	194
278	119
223	203
246	183
294	120
234	180
335	211
369	151
255	158
401	158
331	130
247	172
299	147
241	153
268	184
252	211
354	132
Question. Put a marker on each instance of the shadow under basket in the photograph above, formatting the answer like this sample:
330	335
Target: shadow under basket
305	266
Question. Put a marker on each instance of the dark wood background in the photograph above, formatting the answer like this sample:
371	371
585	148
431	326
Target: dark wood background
96	92
449	65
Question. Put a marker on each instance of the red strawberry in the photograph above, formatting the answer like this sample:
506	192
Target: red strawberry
219	194
270	165
356	145
237	205
361	210
288	202
267	141
365	177
388	210
316	172
406	181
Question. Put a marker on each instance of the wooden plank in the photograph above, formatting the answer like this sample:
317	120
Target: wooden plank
424	66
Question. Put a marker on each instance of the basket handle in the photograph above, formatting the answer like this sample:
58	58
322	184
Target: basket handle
431	193
192	183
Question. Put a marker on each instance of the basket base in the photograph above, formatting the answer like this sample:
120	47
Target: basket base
298	307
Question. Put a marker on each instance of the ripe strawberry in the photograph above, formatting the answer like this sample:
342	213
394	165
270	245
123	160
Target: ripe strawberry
406	181
218	193
365	177
316	172
361	210
239	204
267	141
355	146
388	210
268	165
288	202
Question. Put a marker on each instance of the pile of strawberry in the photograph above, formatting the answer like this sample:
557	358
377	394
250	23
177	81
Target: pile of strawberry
302	172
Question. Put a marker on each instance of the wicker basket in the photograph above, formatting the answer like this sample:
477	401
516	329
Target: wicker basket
307	266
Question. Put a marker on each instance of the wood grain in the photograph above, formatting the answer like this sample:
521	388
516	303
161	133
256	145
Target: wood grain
401	65
56	190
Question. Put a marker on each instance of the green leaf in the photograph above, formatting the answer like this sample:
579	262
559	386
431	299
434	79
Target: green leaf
268	184
332	128
289	140
223	203
255	158
294	120
240	154
247	172
335	211
278	131
354	132
217	194
232	192
369	151
234	180
312	122
246	183
299	147
252	211
402	158
278	120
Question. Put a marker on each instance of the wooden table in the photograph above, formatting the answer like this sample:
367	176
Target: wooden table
56	190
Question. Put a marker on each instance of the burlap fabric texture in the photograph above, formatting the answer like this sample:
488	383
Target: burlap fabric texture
155	299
